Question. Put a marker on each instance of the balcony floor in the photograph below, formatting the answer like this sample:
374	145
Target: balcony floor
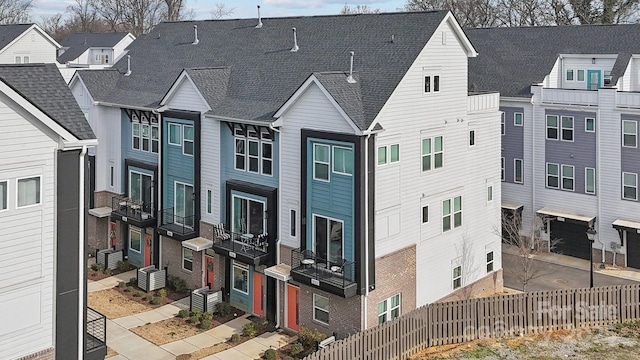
325	275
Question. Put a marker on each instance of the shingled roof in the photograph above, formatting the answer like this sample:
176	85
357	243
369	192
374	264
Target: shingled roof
511	59
262	71
43	86
78	43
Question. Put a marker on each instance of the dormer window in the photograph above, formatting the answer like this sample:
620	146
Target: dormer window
607	78
569	75
431	84
580	75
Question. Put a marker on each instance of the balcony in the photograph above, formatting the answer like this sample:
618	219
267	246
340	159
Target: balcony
248	248
479	101
335	277
628	100
137	213
175	226
96	337
570	97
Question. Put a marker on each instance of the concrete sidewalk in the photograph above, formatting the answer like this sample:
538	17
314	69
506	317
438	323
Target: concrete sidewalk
111	281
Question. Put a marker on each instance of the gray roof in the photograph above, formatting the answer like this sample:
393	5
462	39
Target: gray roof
43	86
78	43
261	71
344	93
8	33
511	59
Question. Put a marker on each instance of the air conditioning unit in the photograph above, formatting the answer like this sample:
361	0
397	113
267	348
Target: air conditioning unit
614	246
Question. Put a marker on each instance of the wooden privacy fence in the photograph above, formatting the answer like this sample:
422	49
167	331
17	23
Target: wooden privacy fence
497	316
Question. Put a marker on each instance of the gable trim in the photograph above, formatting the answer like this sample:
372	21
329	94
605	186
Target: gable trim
38	29
184	76
466	43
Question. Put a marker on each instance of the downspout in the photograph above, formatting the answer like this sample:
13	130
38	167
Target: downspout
81	254
366	232
533	164
598	193
279	226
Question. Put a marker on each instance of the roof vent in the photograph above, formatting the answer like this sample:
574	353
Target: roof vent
259	26
350	78
128	66
393	38
295	41
195	33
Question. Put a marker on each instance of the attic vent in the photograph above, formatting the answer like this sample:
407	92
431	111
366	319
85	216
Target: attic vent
195	33
350	78
295	41
259	26
128	66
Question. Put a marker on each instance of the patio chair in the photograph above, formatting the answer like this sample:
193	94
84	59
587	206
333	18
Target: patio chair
219	233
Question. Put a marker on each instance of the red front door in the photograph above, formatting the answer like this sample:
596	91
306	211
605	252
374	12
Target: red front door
258	293
147	250
293	307
208	263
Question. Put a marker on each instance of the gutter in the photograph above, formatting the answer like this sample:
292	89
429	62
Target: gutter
143	108
81	256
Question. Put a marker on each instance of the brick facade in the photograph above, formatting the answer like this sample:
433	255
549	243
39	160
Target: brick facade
486	286
98	228
40	355
172	259
219	269
608	258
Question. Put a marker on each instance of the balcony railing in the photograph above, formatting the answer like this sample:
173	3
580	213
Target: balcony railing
96	331
570	96
180	227
253	248
629	100
137	211
337	277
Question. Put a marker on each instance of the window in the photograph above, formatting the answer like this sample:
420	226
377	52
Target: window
321	162
430	85
388	154
517	171
607	77
342	160
425	214
321	309
382	155
489	261
552	127
240	154
447	213
590	180
502	117
292	223
395	153
18	59
254	153
457	277
267	158
254	156
187	259
567	128
569	75
589	124
432	147
389	309
517	119
145	137
155	138
111	175
209	196
328	238
502	169
567	177
135	129
135	239
248	216
553	176
240	277
140	189
187	140
3	194
580	75
490	193
183	205
427	80
629	186
629	133
472	137
29	191
436	83
175	134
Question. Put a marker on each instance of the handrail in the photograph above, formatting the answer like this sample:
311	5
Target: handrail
241	243
96	328
181	224
320	268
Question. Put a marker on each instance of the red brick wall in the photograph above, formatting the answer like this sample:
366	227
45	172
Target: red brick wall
486	286
172	259
40	355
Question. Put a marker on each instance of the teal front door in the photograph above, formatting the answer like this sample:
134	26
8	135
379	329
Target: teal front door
593	76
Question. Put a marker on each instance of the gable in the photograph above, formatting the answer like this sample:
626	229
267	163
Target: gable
184	95
39	47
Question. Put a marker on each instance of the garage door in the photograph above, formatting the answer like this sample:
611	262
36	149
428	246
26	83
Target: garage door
633	249
571	239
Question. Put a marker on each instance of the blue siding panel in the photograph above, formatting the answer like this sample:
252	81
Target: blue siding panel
512	142
128	152
242	301
175	165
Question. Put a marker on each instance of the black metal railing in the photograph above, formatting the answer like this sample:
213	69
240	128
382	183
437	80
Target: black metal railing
181	225
337	272
96	329
253	245
139	210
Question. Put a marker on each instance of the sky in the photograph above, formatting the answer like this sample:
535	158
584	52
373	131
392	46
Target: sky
244	8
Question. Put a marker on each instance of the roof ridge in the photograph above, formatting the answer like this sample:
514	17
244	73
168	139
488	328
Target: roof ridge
310	16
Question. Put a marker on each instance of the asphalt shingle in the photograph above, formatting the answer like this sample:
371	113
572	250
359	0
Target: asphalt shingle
8	33
78	43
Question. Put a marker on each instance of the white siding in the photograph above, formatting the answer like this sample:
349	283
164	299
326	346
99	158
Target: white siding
32	44
312	110
402	189
119	49
210	172
27	240
187	97
583	63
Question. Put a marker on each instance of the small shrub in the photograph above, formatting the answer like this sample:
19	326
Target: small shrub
156	300
122	285
133	281
270	354
223	308
296	348
207	316
137	294
107	271
128	289
249	330
193	319
310	338
197	313
162	293
205	324
148	298
183	313
97	267
122	266
177	284
260	323
235	338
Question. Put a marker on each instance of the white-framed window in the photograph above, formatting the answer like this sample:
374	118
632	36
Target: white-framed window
253	155
321	155
4	194
569	75
590	180
517	171
112	177
248	215
240	151
567	128
135	134
388	154
187	259
240	277
580	75
589	124
29	191
382	155
267	157
145	137
187	140
293	223
629	186
395	153
155	138
552	127
389	309
607	77
553	176
432	153
472	138
342	160
502	118
175	134
321	309
141	188
328	238
517	119
183	204
502	169
18	59
568	176
209	201
457	277
135	239
629	133
425	214
490	193
451	213
431	84
489	261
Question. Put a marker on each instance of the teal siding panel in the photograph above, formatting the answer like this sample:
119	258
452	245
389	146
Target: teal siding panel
126	141
137	259
176	166
238	299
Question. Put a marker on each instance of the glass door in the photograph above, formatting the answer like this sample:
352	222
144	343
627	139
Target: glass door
328	238
248	216
183	205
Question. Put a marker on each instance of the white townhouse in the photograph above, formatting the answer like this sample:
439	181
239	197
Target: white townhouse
26	43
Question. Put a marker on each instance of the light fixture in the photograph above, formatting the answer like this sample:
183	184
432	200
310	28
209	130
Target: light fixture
591	235
593	60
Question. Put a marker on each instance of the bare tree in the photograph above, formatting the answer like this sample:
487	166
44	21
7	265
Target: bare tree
174	9
220	10
469	13
468	267
358	9
83	16
54	26
15	11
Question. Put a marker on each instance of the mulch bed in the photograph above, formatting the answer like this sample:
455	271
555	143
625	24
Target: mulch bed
99	275
171	295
